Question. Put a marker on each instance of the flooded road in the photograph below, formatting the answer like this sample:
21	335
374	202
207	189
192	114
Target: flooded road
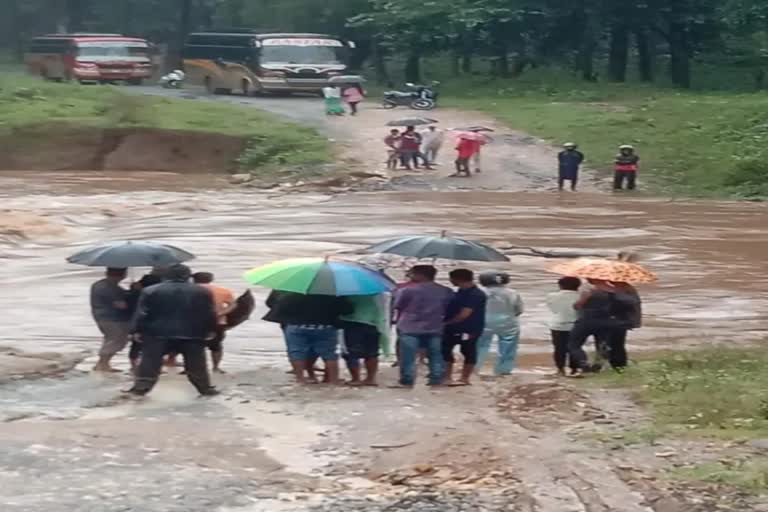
709	256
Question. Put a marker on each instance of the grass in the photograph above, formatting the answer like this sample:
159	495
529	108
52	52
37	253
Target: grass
695	144
747	476
717	393
26	101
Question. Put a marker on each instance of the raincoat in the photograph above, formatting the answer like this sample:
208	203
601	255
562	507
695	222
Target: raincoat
502	322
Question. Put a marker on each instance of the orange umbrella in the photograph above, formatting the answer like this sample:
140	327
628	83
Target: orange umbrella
605	270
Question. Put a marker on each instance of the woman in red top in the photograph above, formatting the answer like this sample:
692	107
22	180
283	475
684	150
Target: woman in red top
465	148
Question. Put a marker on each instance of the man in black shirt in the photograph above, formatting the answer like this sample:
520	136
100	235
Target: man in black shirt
179	313
465	323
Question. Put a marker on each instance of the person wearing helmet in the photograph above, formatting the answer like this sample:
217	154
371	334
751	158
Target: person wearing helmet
569	161
625	168
502	321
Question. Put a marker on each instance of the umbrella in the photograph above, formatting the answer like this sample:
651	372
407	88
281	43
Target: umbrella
244	306
479	137
475	129
605	270
130	254
315	276
423	247
412	121
346	79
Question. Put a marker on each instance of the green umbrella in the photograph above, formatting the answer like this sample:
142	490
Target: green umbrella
318	276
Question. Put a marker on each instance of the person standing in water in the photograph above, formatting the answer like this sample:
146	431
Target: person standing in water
112	313
502	320
174	312
224	300
569	161
625	168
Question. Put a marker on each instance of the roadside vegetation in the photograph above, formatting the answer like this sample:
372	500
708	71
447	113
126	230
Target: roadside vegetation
712	394
692	143
27	102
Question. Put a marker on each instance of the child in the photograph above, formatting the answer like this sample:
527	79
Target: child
393	148
563	317
353	95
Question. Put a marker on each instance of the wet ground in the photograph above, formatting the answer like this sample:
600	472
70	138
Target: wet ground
266	445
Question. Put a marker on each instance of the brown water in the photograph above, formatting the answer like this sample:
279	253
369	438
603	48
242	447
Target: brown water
709	256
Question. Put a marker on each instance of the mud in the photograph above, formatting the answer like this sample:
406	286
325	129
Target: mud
68	148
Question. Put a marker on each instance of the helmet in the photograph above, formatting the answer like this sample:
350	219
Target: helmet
568	145
494	278
626	146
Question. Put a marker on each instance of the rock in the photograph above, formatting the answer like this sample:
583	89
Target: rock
239	179
760	444
666	455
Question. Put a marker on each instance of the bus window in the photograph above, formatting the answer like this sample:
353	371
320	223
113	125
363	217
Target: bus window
291	54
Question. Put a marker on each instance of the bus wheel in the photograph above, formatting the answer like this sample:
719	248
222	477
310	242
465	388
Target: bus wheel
135	81
245	87
222	91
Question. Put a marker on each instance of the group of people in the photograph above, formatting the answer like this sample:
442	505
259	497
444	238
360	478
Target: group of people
432	320
167	312
625	167
410	147
335	98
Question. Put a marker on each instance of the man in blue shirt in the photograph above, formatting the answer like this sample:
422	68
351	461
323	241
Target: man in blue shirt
465	322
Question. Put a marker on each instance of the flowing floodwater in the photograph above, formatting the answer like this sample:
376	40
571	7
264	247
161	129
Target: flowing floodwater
709	256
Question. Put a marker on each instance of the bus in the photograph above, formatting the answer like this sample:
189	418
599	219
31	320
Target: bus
248	63
100	58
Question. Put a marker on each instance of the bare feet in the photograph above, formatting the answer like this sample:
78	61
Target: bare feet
219	370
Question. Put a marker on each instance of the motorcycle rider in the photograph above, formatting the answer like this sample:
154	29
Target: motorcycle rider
625	168
569	160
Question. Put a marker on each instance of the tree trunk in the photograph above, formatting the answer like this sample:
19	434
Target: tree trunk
467	50
17	34
183	27
413	67
379	64
455	62
235	13
126	16
679	55
644	55
76	15
587	60
618	55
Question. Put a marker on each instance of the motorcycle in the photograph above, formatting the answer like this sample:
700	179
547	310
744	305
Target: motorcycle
417	97
173	80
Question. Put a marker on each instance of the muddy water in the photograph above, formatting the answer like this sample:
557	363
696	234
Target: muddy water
709	255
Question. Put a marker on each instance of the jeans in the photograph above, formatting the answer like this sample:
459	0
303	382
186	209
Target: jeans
509	339
578	337
305	341
410	344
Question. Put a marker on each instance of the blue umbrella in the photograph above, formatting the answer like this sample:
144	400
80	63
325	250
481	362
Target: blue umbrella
442	247
316	276
130	254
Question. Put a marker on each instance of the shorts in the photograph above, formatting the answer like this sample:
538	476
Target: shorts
361	341
216	344
305	342
468	347
116	336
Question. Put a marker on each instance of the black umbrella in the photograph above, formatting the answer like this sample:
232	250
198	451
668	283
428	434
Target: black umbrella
412	121
443	247
475	128
130	254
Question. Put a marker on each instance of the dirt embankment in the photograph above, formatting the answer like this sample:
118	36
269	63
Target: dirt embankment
67	148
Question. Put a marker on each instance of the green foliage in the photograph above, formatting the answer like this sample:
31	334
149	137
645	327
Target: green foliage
26	101
715	392
748	476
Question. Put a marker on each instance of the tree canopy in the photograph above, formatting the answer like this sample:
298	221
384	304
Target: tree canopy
597	39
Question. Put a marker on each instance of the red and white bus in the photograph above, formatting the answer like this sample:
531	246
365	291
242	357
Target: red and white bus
100	58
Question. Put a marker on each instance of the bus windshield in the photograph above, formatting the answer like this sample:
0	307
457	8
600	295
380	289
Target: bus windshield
111	50
327	52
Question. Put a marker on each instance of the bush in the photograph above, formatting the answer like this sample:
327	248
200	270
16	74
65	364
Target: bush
749	176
